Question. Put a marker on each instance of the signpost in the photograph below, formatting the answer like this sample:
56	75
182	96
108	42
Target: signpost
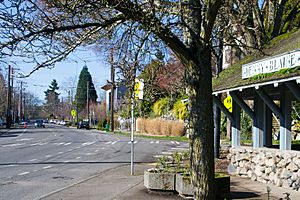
138	89
137	94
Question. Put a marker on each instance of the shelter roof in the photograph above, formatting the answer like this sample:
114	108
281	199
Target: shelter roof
231	78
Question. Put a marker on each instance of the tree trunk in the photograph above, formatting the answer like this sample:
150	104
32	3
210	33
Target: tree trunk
198	78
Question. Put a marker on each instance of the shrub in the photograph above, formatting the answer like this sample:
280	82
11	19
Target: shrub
180	110
161	127
161	106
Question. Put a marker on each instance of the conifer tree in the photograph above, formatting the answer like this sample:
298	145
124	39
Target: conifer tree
52	100
81	92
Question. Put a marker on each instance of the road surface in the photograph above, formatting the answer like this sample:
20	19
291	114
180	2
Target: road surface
37	161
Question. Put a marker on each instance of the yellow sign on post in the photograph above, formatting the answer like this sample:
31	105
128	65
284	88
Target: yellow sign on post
138	89
228	103
73	113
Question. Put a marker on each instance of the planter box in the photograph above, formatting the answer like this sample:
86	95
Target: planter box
159	180
222	186
183	185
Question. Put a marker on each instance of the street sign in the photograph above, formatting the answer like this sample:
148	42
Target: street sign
73	113
228	103
138	89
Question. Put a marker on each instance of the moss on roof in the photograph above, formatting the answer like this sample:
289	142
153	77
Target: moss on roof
232	76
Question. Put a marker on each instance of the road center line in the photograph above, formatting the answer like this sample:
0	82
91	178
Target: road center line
47	167
24	173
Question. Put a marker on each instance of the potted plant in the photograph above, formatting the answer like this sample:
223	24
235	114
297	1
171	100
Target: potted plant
162	177
222	185
222	182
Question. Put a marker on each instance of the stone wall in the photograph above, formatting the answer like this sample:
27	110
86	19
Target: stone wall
272	166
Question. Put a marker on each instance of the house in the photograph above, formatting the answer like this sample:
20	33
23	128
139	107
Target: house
119	93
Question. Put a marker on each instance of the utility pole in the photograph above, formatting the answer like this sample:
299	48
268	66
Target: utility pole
21	97
24	106
8	108
76	98
12	96
87	100
70	103
112	93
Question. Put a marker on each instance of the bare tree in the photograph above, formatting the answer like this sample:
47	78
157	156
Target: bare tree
45	32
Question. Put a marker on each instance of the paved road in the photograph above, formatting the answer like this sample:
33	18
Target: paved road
37	161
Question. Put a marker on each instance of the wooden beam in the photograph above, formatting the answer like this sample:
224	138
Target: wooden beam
236	97
269	102
295	89
218	103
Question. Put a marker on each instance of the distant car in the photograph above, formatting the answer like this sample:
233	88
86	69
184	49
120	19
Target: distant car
83	124
39	123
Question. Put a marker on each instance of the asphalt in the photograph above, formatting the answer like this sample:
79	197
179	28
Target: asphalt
118	184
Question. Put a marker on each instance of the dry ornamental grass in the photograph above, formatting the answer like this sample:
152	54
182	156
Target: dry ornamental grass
161	127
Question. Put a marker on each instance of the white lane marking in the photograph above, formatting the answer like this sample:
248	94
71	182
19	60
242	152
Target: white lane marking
103	148
108	142
42	143
67	143
39	144
97	150
48	156
89	154
129	142
151	142
179	148
84	144
66	161
11	165
114	142
166	153
35	144
177	142
25	139
24	173
32	160
135	142
88	143
77	157
157	142
59	143
70	150
172	142
13	145
47	167
61	152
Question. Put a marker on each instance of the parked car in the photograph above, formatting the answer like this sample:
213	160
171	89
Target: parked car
2	122
39	123
83	124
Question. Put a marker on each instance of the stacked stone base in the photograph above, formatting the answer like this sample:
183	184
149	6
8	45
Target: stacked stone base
271	166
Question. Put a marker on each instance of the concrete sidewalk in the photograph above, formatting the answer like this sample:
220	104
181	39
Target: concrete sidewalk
118	184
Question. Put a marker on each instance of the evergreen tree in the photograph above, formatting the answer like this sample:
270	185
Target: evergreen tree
51	98
81	92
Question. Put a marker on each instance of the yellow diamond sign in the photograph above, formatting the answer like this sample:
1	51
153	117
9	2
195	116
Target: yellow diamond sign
73	113
228	103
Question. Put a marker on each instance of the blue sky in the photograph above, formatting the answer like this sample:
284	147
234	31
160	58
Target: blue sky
40	80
